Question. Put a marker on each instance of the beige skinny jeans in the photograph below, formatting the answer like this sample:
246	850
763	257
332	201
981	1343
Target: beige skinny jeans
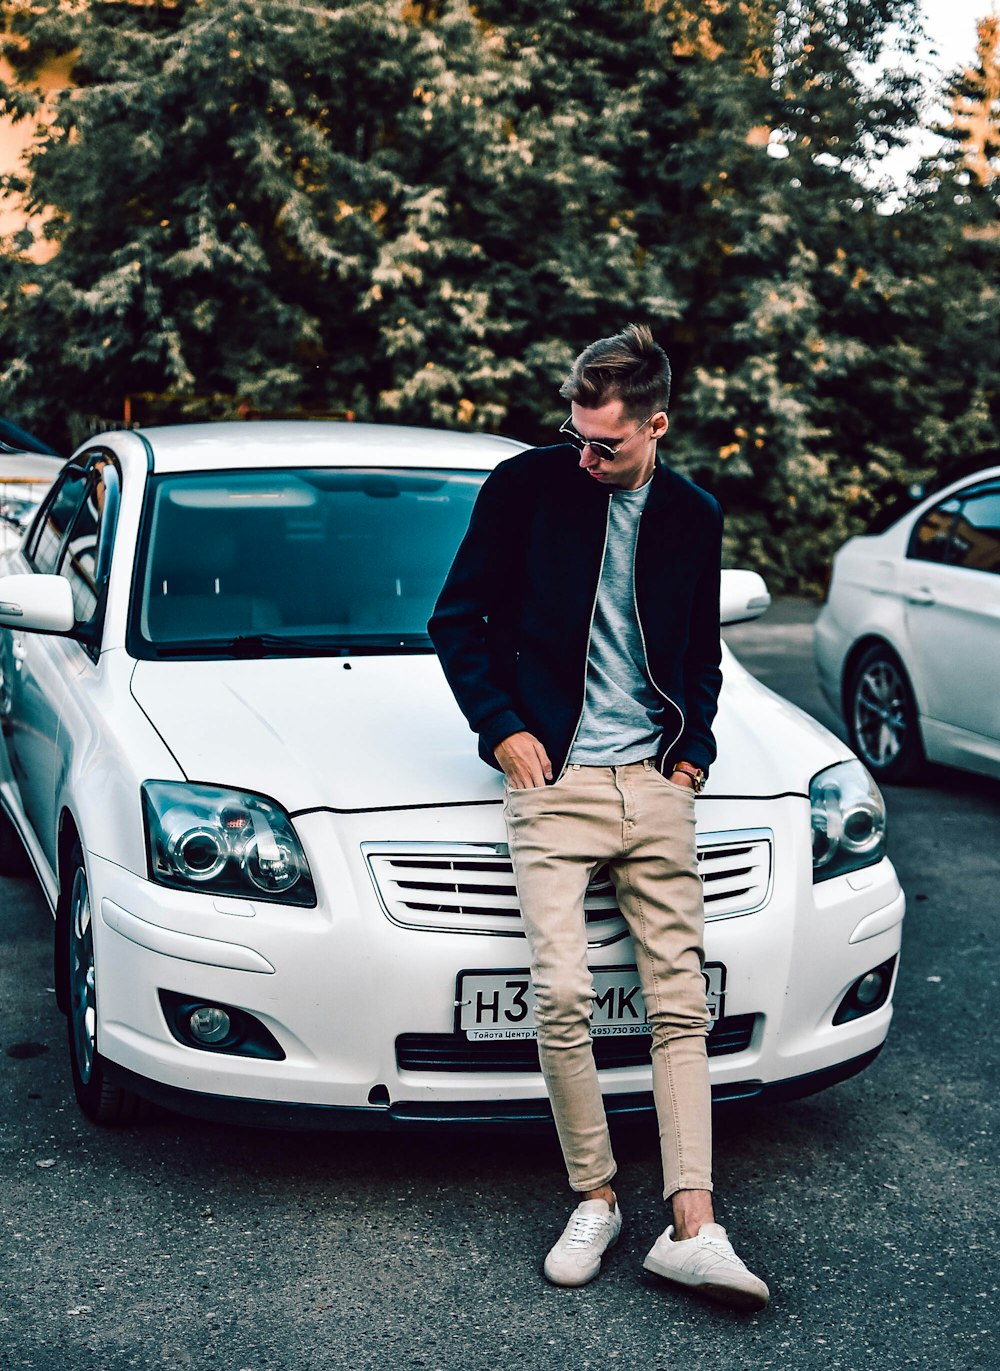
642	825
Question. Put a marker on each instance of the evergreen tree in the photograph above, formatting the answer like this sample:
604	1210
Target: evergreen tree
766	255
975	106
225	193
946	252
422	211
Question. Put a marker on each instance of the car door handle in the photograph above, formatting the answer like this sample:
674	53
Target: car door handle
923	595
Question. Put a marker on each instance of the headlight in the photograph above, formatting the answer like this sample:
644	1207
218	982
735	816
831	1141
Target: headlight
224	841
848	820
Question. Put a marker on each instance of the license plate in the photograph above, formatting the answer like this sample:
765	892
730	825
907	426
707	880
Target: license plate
501	1004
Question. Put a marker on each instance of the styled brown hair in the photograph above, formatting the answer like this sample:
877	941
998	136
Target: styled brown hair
628	366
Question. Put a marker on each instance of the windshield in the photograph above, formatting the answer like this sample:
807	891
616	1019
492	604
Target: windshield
280	563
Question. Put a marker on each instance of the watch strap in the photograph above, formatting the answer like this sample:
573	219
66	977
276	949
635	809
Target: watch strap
695	772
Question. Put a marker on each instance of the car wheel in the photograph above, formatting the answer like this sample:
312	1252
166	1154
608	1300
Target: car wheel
100	1098
882	719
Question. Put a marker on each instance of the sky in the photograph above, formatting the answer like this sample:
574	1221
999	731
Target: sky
951	26
951	30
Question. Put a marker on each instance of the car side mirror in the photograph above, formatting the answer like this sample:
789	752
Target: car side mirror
743	596
37	604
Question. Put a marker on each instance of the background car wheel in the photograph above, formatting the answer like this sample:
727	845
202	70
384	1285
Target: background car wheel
881	716
100	1099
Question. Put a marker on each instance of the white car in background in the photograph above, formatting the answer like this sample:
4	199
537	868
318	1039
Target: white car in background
908	642
25	479
278	869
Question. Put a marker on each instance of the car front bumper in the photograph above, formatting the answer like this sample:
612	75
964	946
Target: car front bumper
338	985
531	1114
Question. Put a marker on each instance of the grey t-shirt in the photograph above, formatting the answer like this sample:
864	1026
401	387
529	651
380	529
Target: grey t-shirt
622	713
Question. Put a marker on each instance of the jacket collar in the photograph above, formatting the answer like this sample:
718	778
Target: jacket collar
665	487
663	479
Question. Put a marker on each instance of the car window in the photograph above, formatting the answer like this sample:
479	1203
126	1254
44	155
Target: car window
975	535
86	551
354	557
930	540
54	519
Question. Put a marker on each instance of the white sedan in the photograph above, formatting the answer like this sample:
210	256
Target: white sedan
25	478
277	866
908	642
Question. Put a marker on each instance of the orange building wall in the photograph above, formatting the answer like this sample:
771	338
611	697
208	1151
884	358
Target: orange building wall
15	139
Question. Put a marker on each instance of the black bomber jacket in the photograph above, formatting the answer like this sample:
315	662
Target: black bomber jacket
512	623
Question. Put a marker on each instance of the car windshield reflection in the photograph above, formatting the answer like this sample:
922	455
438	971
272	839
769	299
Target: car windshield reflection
296	562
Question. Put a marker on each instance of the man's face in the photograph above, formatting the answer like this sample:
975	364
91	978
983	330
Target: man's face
608	423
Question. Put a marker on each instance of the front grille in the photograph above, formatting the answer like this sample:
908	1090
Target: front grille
469	888
454	1052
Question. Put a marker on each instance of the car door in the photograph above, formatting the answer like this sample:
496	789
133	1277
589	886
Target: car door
41	666
64	541
952	610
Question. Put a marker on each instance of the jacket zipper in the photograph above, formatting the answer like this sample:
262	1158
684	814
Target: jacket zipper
590	630
645	655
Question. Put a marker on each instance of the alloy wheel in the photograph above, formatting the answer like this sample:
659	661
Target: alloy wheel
880	708
83	998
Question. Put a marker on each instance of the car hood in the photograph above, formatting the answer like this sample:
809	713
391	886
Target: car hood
385	733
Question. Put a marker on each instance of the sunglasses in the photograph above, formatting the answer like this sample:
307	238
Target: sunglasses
605	451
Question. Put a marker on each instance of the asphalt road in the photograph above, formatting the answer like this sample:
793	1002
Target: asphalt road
871	1210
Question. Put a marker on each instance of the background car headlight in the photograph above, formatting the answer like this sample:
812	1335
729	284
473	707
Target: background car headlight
227	841
848	820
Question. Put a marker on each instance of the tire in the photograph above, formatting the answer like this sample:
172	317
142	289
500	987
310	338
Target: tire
99	1098
881	716
14	860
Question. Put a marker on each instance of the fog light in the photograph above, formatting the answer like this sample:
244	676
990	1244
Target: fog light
218	1028
869	988
868	993
209	1024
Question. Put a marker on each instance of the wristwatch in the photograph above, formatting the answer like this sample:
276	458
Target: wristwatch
695	772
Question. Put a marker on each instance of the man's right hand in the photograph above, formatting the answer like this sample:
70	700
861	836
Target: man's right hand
525	762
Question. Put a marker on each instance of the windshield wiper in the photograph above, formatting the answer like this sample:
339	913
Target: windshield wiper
278	645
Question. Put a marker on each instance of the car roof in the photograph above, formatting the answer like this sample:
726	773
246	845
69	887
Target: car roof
28	466
267	444
956	476
13	438
972	477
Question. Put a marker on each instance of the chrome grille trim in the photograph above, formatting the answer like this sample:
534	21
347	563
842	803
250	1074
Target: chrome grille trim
469	887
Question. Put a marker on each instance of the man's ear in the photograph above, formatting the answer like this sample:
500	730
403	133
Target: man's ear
660	425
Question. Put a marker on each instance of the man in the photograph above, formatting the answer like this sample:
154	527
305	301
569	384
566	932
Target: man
579	631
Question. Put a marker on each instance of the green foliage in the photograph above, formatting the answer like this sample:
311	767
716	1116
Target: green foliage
422	212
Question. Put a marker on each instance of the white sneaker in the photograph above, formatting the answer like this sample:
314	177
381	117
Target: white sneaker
709	1264
576	1258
